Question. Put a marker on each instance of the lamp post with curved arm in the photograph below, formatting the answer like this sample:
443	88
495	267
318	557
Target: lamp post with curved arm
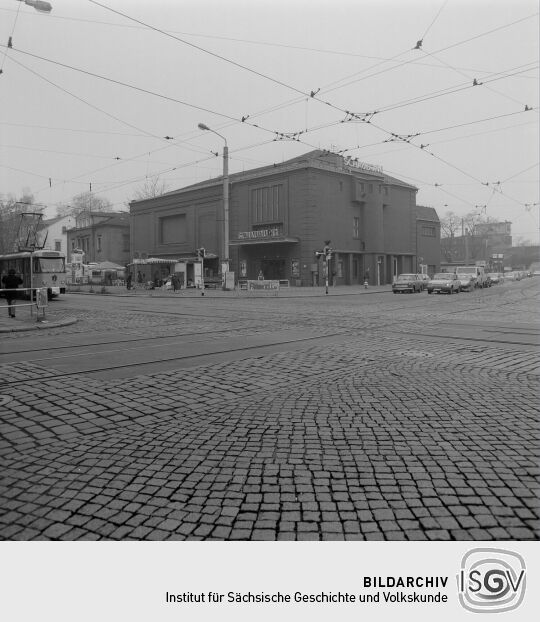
225	259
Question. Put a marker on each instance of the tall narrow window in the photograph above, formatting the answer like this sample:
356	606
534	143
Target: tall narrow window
356	227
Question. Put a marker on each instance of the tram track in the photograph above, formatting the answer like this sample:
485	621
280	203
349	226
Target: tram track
184	358
334	329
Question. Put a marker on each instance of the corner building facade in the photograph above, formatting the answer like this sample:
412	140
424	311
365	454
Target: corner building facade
280	215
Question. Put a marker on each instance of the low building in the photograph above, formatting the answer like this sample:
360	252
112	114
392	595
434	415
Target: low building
281	215
428	236
53	233
101	236
481	243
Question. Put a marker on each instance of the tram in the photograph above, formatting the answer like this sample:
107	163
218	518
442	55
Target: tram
40	268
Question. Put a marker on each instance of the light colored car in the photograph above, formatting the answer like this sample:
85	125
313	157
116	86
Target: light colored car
444	282
495	278
467	282
407	283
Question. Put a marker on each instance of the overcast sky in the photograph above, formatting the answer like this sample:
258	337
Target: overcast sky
90	91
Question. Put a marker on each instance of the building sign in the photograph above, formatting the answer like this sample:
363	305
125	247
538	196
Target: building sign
351	162
271	232
263	284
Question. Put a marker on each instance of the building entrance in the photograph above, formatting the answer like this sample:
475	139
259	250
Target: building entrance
273	269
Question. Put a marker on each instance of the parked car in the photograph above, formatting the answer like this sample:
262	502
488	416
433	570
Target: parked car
478	273
467	282
407	283
444	282
425	280
495	278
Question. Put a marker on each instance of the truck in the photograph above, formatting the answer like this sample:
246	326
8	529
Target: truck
480	278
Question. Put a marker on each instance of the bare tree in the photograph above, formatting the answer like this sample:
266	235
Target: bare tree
11	209
450	225
152	187
84	202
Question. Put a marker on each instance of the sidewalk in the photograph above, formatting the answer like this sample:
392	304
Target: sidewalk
25	320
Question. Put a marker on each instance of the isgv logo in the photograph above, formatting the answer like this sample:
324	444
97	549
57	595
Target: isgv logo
491	580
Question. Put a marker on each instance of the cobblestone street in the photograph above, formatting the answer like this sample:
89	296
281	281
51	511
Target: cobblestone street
382	431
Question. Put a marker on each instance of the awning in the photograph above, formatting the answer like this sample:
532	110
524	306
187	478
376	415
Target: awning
257	241
153	260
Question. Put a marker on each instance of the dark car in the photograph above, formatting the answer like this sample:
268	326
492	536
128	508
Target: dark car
407	283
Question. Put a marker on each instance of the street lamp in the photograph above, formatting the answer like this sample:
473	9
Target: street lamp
225	260
39	5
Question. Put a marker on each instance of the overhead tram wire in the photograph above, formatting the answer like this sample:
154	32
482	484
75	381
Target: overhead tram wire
434	19
179	101
8	47
119	160
239	65
138	88
55	16
143	90
198	47
413	61
482	83
73	129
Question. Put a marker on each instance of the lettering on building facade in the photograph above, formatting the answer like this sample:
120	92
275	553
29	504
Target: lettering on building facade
351	162
271	232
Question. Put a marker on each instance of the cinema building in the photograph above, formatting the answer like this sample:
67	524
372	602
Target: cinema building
280	215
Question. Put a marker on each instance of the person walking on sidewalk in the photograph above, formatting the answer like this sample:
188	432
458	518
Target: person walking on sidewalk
10	283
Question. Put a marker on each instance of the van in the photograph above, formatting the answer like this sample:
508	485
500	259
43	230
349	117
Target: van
477	272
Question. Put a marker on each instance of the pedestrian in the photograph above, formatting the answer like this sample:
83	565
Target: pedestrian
10	283
128	281
175	282
261	275
140	278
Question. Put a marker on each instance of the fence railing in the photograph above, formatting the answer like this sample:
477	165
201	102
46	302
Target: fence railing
37	300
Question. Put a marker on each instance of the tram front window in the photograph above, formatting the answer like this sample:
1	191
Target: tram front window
54	265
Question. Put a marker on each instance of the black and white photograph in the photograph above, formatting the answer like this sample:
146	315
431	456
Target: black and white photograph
270	274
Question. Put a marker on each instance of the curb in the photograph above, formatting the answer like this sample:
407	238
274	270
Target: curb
233	294
39	326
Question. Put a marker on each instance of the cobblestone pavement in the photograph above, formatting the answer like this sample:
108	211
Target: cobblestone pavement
386	435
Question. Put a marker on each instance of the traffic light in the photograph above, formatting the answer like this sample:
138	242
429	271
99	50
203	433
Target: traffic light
326	253
201	253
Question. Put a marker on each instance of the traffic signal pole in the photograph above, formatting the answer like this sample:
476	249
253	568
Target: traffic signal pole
327	253
327	257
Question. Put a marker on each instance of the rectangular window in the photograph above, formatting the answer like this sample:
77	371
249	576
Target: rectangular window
266	204
172	229
356	227
429	232
58	245
98	244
